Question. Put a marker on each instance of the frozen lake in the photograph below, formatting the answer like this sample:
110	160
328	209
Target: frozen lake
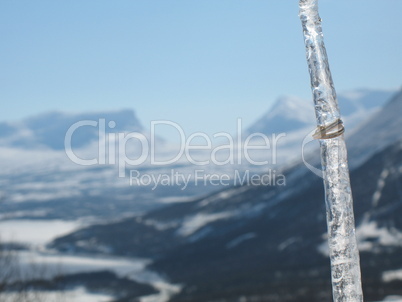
37	233
76	295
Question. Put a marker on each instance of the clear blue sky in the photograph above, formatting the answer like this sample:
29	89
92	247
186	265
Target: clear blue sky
199	63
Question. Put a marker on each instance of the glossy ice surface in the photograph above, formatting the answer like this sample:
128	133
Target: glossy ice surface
345	264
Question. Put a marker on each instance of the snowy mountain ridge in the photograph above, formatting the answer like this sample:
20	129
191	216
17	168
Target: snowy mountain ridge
290	113
47	130
33	171
259	239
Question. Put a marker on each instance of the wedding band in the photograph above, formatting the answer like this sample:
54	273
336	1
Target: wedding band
332	130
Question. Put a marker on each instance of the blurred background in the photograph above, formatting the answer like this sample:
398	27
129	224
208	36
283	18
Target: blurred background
78	232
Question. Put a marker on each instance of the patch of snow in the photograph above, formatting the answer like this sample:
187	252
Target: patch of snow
286	106
393	298
383	236
287	243
50	265
380	186
200	234
175	199
222	195
43	196
235	242
368	236
19	214
389	276
78	294
166	291
158	225
35	232
191	224
55	264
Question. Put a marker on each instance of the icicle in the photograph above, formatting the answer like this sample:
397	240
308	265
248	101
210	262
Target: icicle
345	266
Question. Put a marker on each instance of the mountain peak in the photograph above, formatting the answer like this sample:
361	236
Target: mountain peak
49	129
288	113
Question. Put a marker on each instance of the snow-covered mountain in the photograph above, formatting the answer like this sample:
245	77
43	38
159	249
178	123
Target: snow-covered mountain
290	113
384	128
363	100
257	241
38	179
49	129
295	118
267	243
